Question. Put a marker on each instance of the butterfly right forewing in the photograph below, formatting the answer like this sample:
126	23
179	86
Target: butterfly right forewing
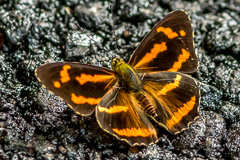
168	46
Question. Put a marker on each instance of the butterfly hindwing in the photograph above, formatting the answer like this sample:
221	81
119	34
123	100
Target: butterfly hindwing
168	46
176	97
120	114
82	86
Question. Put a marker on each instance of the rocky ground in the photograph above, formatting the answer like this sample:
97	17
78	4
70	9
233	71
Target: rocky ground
34	124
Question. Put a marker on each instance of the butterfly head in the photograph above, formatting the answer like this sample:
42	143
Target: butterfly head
116	62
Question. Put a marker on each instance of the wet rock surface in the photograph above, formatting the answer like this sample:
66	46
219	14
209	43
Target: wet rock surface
34	124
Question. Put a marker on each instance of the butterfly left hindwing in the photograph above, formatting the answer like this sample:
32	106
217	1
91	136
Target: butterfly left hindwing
120	114
82	86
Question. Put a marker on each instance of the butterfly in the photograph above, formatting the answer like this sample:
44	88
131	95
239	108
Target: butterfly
152	85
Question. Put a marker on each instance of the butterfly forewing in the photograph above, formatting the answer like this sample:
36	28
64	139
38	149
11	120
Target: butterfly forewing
176	97
120	114
81	86
168	46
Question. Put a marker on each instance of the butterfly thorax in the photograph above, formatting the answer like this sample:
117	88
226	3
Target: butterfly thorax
131	82
127	76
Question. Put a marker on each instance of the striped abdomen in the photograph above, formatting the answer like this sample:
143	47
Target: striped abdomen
146	104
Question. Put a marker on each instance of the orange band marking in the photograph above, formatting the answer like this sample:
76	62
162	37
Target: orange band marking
56	84
81	100
181	112
182	33
170	86
92	78
157	48
64	74
134	132
181	59
168	32
113	109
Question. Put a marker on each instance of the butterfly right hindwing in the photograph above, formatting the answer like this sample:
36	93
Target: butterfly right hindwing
176	97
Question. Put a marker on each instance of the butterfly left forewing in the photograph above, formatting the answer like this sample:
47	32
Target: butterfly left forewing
168	46
120	114
176	97
82	86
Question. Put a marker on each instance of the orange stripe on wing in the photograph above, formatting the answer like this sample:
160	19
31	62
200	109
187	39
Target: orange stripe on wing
181	112
113	109
170	86
82	100
64	74
182	33
168	32
135	132
56	84
157	48
84	78
181	59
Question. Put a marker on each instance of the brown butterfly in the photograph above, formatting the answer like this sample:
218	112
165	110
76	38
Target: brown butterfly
151	85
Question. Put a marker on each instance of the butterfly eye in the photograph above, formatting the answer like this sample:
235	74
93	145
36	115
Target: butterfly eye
116	61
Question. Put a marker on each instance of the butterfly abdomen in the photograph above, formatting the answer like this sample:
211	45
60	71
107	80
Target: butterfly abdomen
146	104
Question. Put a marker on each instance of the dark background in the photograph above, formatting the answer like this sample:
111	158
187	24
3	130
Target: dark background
37	125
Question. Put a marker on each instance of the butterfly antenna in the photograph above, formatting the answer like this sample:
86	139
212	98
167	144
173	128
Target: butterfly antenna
113	12
99	45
